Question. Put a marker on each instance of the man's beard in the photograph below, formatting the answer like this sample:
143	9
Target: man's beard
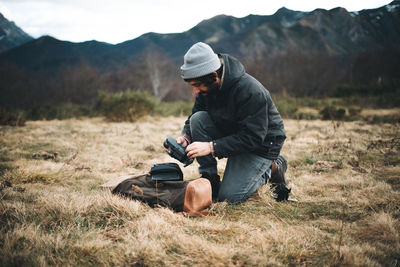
212	89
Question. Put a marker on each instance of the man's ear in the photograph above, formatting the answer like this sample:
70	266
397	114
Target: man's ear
216	78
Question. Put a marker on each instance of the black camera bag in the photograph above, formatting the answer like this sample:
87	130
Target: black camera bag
166	172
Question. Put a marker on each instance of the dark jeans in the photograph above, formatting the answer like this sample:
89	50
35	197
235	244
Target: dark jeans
244	173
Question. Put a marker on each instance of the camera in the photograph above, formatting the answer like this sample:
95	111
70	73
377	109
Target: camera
177	151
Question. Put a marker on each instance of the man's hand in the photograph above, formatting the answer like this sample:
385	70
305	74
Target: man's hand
198	149
182	141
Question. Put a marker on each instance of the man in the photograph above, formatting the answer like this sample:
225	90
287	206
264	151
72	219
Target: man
233	116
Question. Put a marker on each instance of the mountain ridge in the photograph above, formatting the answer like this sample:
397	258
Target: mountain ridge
11	35
299	53
221	30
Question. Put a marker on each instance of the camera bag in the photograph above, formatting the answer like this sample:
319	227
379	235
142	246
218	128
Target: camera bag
155	189
166	172
153	192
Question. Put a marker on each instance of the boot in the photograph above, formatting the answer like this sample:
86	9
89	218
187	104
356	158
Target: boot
278	169
215	182
278	181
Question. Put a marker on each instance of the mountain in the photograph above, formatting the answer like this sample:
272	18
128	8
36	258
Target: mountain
335	32
299	53
47	52
223	32
11	35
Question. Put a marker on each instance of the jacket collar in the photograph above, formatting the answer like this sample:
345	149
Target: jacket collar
233	70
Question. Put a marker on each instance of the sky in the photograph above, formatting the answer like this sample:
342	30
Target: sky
115	21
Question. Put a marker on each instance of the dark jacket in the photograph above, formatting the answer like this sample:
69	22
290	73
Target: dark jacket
243	111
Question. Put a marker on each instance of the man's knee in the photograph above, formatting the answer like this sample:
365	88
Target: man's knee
231	197
202	126
236	192
198	119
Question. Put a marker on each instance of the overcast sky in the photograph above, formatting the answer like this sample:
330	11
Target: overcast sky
115	21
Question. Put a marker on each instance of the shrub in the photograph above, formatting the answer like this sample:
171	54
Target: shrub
124	106
354	111
11	119
177	108
385	96
286	106
347	90
307	116
332	113
51	112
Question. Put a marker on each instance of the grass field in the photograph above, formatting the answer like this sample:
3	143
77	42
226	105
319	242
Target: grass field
345	176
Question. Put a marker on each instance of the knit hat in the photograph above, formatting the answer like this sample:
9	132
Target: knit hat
199	60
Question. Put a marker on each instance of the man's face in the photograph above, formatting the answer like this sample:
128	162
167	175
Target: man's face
199	88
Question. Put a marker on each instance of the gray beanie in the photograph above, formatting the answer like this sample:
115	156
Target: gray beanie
199	60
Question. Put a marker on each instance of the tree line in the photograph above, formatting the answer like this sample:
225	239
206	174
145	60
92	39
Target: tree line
289	74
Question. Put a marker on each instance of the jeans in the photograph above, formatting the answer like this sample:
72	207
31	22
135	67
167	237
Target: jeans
244	173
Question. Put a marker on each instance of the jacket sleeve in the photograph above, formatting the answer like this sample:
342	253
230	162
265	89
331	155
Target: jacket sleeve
252	118
198	106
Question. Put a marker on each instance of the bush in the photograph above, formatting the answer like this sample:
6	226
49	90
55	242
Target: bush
307	116
177	108
332	113
354	111
286	106
60	112
11	119
385	96
347	90
124	106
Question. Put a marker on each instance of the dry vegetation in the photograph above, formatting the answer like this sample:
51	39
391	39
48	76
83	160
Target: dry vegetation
346	177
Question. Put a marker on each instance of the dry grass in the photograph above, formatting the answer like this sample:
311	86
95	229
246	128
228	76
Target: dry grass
381	112
346	177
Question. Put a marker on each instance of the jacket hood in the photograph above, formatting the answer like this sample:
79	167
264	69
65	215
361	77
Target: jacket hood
233	70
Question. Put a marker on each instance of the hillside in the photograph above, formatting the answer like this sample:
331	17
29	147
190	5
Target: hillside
11	35
345	177
290	52
335	32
